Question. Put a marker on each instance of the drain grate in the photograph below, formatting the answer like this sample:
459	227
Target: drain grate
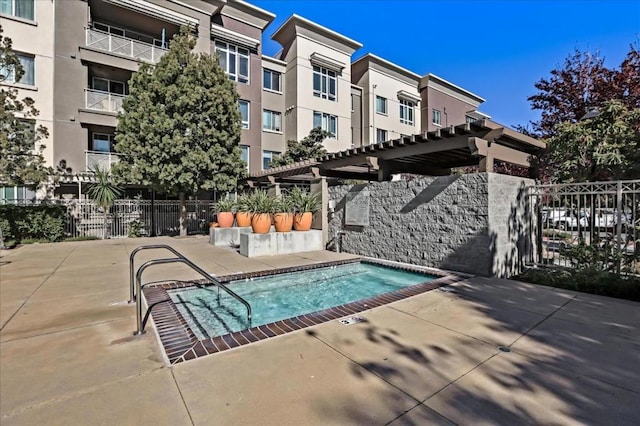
504	348
351	320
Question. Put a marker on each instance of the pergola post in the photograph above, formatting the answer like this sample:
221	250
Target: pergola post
486	163
321	217
384	172
274	189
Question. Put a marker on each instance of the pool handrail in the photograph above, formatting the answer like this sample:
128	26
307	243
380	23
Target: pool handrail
141	324
132	294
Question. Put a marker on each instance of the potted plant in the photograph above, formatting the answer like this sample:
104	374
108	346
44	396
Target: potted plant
305	204
225	209
283	214
261	205
243	215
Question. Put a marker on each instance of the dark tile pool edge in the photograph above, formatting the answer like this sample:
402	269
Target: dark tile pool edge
180	343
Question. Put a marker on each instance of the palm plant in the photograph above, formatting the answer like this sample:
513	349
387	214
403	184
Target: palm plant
259	202
225	205
303	200
243	203
104	192
283	204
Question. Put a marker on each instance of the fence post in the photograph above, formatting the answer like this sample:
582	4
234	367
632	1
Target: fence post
619	221
153	213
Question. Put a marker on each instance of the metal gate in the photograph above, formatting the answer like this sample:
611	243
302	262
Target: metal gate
135	218
581	221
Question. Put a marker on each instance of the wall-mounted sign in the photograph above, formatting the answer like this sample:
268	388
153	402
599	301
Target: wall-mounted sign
357	206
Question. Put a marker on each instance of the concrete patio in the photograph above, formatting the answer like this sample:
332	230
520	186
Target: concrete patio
491	351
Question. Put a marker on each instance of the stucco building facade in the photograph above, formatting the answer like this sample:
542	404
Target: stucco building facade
80	55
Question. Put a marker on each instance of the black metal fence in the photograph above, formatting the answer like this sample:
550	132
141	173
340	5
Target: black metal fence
603	216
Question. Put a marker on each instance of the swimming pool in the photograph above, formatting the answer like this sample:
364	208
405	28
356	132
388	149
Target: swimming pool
211	313
191	322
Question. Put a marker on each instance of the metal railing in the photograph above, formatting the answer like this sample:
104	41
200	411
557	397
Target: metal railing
132	256
103	160
602	215
140	321
123	46
103	101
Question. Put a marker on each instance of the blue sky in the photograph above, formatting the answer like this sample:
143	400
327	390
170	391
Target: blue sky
496	49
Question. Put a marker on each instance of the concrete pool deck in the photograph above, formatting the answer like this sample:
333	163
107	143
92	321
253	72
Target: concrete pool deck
67	354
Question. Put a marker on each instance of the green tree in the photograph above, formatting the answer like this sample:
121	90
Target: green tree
104	192
179	131
308	148
21	160
604	147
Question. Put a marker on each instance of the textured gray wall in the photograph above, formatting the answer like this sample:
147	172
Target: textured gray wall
473	223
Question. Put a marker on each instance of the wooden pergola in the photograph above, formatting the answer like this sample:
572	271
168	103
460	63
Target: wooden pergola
431	153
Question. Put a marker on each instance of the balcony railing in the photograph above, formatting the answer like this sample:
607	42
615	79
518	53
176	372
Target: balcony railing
102	101
124	46
103	160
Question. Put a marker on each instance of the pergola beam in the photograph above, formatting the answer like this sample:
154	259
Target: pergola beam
483	148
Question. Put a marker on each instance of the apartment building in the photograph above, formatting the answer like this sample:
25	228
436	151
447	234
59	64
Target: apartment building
445	104
390	99
30	26
80	54
318	80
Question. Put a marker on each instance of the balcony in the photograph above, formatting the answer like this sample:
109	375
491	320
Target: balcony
102	101
103	160
133	49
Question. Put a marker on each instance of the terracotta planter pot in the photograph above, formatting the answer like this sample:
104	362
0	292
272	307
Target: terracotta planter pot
261	223
302	221
225	219
243	219
283	222
213	224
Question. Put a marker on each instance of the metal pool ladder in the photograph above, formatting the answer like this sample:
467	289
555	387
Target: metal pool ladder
135	285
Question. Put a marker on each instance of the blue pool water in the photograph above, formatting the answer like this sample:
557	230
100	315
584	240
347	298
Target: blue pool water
283	296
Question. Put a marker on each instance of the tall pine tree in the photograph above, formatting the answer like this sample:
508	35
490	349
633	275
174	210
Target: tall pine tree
21	152
179	131
308	148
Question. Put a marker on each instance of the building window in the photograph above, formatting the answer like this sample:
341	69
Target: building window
244	154
352	102
109	86
381	105
327	122
102	142
271	120
406	112
8	74
271	80
234	61
243	106
19	8
435	117
325	83
16	194
268	157
381	135
468	119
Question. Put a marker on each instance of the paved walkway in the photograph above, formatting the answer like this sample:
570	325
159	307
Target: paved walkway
67	355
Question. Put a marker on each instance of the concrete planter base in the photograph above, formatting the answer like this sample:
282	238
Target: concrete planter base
252	245
227	236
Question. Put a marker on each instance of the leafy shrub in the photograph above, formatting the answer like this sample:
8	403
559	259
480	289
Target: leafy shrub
135	229
42	222
83	238
588	280
555	234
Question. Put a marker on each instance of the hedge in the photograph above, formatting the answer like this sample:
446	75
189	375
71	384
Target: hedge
38	222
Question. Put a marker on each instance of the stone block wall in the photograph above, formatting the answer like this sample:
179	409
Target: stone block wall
461	223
